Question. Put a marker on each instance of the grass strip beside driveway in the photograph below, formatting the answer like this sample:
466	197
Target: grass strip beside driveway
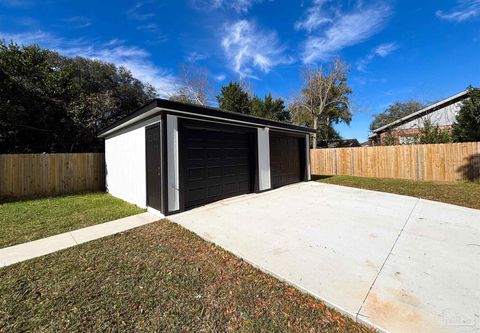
465	194
156	278
27	220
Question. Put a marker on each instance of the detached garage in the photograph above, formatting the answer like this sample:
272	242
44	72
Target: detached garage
170	157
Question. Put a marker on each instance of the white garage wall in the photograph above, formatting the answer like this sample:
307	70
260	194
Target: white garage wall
125	164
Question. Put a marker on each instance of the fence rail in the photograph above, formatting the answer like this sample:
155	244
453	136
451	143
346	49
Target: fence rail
435	162
49	174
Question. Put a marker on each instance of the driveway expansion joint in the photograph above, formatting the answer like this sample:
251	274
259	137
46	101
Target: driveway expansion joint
71	235
386	259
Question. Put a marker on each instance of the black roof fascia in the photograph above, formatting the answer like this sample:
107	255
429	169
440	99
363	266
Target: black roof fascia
205	111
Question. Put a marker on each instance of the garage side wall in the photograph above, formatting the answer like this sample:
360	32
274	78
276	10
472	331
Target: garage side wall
125	164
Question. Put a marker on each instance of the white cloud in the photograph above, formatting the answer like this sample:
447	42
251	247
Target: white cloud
78	22
220	77
150	27
240	6
138	11
384	50
314	18
465	10
157	39
340	30
381	50
17	3
247	47
135	59
196	56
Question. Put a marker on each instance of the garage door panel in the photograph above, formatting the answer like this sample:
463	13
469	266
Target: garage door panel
217	164
214	191
215	172
196	174
214	153
244	186
195	153
196	194
236	170
230	188
285	159
192	143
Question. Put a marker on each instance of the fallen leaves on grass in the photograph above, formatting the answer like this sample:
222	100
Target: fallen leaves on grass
158	277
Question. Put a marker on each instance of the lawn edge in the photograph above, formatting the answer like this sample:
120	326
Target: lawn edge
399	195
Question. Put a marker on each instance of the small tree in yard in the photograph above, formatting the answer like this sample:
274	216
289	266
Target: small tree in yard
431	133
467	124
324	98
388	139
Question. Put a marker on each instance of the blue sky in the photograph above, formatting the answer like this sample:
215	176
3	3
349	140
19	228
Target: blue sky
396	50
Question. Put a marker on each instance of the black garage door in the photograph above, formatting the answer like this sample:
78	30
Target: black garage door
287	159
215	162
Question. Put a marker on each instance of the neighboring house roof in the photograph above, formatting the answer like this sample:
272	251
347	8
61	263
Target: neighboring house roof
422	112
158	105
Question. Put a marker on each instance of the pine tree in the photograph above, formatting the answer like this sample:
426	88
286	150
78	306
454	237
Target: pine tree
234	98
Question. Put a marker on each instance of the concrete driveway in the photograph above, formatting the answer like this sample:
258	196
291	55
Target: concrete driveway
398	263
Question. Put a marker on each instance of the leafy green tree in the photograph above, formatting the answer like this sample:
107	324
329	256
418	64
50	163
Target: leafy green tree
270	108
234	97
467	124
52	103
394	112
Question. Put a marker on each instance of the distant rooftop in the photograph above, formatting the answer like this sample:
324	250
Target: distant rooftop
426	110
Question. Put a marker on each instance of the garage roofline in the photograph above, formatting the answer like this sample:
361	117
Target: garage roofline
159	105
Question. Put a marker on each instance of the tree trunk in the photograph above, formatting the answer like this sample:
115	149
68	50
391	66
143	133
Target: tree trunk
315	127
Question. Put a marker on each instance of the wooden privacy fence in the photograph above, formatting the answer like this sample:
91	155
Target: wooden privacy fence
434	162
48	174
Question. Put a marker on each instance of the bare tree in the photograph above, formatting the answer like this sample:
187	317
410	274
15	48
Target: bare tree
324	97
195	87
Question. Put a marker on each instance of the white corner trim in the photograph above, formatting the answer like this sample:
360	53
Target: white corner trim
264	182
172	161
307	156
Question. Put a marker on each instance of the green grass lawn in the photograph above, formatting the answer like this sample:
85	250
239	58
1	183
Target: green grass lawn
27	220
460	193
156	278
